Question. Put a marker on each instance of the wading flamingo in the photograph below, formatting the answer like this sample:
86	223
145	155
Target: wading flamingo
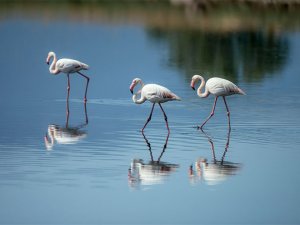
67	66
153	93
218	87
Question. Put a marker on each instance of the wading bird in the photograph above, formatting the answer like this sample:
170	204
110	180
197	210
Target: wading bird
67	66
153	93
218	87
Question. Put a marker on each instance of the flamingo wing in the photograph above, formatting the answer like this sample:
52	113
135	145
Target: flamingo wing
222	87
70	65
157	93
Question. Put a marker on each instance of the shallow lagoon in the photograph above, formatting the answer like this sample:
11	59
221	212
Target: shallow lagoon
104	170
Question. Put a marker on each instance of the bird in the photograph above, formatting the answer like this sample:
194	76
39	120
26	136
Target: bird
218	87
155	94
67	66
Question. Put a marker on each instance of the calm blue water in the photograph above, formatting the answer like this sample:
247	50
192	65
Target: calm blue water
101	169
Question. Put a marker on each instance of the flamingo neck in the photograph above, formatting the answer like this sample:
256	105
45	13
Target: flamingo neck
142	99
202	85
52	67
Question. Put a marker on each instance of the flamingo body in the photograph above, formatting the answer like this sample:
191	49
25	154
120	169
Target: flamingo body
155	94
221	87
158	94
70	66
218	87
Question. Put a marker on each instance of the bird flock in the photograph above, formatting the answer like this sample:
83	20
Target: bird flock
154	93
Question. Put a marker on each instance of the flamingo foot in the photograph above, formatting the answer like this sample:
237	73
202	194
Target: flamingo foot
200	127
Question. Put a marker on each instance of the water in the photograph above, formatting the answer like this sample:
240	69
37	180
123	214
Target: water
95	167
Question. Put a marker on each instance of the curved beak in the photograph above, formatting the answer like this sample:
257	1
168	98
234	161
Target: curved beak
47	63
131	87
193	85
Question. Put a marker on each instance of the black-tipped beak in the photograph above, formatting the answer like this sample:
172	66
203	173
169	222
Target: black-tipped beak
47	63
193	88
131	91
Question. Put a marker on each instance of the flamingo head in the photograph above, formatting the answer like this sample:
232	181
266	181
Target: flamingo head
134	83
194	80
50	55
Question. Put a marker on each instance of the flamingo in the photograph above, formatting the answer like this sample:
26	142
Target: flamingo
218	87
67	66
153	93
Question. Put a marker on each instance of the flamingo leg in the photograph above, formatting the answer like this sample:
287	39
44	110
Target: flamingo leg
87	84
211	114
226	147
68	114
86	115
166	118
228	113
164	148
149	118
68	95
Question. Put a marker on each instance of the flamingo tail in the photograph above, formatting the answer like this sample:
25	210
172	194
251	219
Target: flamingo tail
241	92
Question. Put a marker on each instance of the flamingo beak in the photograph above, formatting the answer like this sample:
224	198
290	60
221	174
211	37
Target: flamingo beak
47	63
193	85
131	88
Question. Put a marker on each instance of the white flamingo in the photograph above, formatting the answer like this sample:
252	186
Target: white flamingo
218	87
153	93
67	66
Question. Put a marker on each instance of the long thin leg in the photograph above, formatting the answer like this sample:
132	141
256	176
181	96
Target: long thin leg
228	113
212	145
87	84
166	118
149	146
211	114
149	118
68	95
226	146
86	115
164	148
68	115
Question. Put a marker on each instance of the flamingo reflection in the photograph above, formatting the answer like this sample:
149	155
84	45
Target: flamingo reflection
65	134
152	172
215	172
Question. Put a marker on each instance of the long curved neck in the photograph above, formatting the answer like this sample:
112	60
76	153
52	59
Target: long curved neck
142	99
202	85
52	67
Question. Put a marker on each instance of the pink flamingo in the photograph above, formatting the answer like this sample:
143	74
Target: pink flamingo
67	66
153	93
218	87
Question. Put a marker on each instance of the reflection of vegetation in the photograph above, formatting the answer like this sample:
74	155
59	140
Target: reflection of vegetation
216	37
214	16
248	54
